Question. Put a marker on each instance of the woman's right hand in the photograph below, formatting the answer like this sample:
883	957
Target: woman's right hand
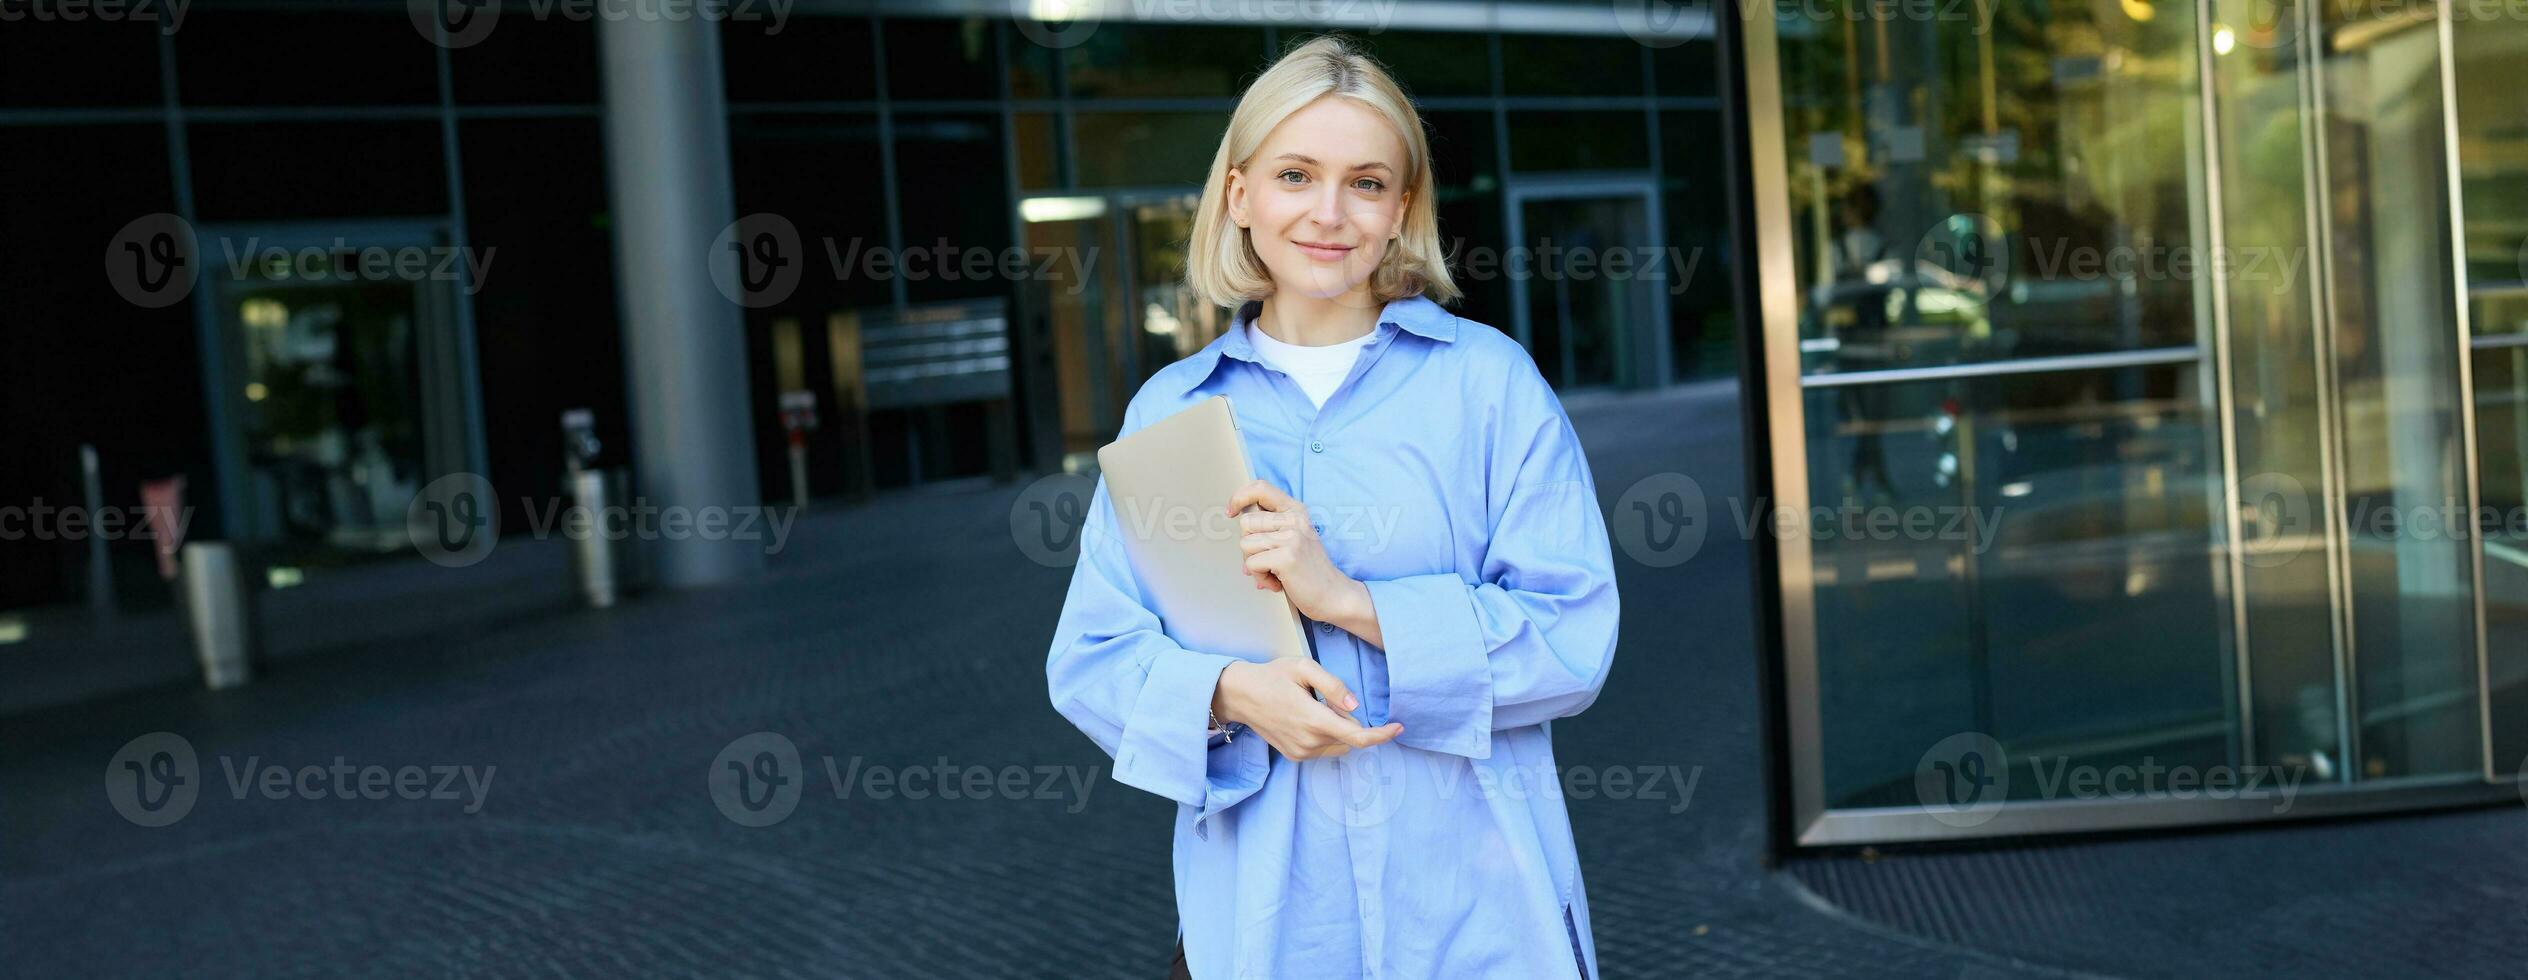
1278	700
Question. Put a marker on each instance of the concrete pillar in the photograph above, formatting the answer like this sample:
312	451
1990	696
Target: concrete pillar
667	167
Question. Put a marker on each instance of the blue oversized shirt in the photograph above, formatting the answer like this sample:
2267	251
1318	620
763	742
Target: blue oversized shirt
1444	474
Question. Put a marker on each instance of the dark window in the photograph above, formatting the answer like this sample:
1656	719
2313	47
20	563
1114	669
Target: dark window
1685	69
79	63
80	364
941	59
242	58
1122	149
1434	65
813	59
1038	154
1694	195
1546	64
1139	60
1030	63
1612	140
957	211
299	170
544	318
529	61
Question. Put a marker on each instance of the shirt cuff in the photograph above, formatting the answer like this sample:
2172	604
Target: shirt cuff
1166	747
1439	674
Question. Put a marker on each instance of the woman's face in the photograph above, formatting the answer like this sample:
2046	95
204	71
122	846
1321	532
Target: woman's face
1323	198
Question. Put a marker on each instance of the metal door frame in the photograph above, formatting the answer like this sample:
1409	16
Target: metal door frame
448	376
1642	365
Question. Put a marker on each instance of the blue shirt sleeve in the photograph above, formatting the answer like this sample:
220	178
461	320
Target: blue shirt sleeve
1141	697
1532	639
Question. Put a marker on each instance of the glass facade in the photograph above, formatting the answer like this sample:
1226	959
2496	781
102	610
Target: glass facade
2168	337
883	140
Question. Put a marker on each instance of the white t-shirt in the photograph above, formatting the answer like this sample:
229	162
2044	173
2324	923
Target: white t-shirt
1319	370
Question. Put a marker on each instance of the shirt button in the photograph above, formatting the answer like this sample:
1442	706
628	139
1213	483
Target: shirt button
1315	447
1325	627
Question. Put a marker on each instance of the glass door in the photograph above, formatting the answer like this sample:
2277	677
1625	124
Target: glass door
1585	296
1126	314
2127	389
343	381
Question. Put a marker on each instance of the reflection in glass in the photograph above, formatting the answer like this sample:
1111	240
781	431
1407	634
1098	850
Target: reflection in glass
2493	174
2032	562
1967	195
331	409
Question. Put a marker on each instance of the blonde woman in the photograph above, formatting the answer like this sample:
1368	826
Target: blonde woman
1388	808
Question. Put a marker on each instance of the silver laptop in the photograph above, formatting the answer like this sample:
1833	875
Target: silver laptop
1170	485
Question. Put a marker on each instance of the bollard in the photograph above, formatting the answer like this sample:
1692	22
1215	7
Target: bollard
215	600
594	551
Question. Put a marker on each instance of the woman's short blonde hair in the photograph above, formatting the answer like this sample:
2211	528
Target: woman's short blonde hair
1220	260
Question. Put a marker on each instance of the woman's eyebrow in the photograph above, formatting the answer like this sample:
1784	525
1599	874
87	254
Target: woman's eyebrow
1312	161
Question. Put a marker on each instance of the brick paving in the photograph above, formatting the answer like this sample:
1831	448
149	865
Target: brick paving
886	638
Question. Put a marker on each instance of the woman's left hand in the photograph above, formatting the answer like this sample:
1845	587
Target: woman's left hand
1284	554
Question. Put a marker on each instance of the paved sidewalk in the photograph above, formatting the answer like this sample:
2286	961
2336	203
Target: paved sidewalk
581	742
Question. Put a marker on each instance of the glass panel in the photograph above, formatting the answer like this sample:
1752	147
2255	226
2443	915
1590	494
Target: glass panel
1173	320
1081	323
331	409
940	59
1686	69
529	60
1548	64
1587	324
1616	140
2493	171
88	62
2027	557
1141	60
548	305
813	59
2395	351
1435	65
1967	195
2281	421
241	58
1694	199
957	209
1038	154
290	171
1143	149
1030	64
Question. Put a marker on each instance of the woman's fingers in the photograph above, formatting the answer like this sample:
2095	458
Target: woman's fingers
1315	677
1261	494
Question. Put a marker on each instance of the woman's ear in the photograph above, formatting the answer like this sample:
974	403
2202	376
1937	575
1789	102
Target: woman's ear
1237	196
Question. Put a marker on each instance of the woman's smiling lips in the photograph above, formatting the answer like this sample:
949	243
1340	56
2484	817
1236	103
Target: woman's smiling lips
1324	253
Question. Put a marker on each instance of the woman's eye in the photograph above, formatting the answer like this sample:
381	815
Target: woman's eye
1293	173
1369	184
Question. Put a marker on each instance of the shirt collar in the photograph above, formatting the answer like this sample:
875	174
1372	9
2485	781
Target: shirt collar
1414	314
